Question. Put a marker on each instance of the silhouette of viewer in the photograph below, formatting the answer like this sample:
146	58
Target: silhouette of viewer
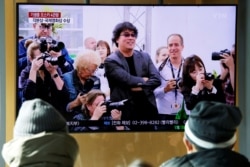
40	138
209	137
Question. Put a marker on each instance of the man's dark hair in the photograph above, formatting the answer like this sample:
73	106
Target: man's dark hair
121	27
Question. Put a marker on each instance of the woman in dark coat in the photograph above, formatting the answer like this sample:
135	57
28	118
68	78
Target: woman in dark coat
198	85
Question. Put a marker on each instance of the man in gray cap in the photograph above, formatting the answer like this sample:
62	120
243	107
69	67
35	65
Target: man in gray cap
209	137
41	138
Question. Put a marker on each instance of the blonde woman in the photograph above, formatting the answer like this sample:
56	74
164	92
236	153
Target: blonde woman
82	79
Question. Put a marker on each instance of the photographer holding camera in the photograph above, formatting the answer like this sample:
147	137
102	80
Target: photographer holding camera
198	85
41	79
168	96
42	30
227	75
81	80
95	108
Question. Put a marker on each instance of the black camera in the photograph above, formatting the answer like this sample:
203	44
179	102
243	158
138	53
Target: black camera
217	55
178	83
88	85
60	60
209	76
114	105
48	44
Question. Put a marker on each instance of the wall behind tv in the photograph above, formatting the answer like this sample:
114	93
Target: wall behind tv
108	149
2	81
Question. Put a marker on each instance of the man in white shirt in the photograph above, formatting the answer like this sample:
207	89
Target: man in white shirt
168	96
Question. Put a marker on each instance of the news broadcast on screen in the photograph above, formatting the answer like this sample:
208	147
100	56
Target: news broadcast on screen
125	68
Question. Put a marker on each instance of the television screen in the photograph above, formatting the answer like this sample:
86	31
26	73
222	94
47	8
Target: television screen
129	68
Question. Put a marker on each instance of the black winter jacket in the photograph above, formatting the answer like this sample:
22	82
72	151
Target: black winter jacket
209	158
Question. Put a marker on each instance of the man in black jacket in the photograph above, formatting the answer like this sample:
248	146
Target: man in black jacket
132	75
210	136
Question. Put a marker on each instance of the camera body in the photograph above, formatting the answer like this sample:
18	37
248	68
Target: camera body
209	76
217	55
48	44
53	60
178	82
114	105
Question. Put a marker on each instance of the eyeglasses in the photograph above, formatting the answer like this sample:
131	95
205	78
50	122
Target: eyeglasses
89	71
129	35
43	27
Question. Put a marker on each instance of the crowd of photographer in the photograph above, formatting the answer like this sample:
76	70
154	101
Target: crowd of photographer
44	74
186	81
100	84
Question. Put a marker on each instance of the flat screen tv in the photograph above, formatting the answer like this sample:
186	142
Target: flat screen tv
205	29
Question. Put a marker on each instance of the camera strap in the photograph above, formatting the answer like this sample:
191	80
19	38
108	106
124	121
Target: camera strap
163	64
178	76
172	70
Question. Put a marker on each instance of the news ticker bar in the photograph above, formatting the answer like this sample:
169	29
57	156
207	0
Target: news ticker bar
125	122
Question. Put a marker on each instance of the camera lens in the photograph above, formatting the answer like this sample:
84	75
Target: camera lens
209	76
216	56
